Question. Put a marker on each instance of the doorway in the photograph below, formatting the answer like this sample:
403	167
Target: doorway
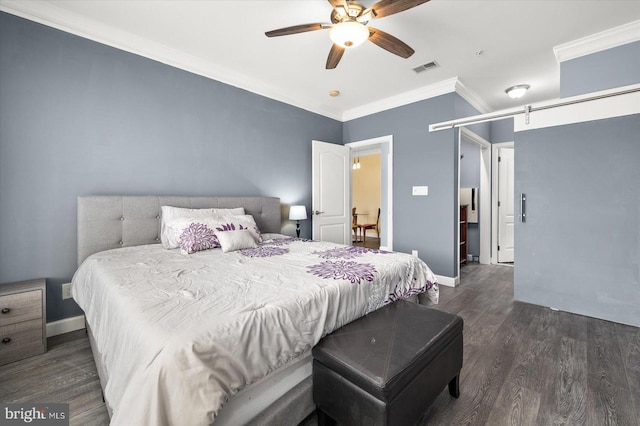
482	165
366	190
382	146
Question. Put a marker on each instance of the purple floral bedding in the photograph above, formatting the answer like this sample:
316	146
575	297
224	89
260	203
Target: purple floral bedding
180	334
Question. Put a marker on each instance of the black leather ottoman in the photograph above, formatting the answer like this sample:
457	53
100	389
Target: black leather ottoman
387	367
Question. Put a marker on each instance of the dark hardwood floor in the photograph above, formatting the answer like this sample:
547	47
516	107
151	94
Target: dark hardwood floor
66	373
523	365
529	365
370	242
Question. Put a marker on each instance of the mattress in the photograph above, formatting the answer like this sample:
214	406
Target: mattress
179	335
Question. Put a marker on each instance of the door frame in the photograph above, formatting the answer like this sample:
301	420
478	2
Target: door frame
494	197
372	143
486	155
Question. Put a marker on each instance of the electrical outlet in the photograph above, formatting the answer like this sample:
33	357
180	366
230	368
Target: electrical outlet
66	291
414	253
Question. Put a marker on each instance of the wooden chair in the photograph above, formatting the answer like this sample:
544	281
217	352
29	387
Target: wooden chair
363	228
354	224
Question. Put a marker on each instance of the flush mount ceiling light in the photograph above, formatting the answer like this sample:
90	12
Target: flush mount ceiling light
349	34
518	91
333	93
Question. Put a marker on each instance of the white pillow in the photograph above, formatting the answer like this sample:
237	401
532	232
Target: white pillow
236	240
169	213
175	227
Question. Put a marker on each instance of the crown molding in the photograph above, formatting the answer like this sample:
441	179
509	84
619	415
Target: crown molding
61	19
55	17
422	93
614	37
471	97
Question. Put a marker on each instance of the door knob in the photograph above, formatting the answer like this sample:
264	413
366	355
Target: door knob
317	212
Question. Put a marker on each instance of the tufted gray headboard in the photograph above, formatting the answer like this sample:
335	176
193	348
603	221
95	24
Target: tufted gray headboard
108	222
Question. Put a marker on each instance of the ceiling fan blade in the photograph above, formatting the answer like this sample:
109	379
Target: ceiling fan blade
390	43
389	7
294	30
336	3
335	54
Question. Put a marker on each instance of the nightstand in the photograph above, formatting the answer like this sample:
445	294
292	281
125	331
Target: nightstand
22	320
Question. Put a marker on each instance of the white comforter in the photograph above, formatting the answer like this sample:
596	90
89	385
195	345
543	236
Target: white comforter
180	334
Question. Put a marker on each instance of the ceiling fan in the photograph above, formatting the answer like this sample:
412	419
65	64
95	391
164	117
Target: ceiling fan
350	28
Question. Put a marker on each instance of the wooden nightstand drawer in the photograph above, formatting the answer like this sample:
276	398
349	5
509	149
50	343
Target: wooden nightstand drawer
23	313
21	340
20	307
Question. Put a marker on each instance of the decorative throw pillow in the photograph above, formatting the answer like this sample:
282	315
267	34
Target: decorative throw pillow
235	223
236	240
176	227
169	237
197	237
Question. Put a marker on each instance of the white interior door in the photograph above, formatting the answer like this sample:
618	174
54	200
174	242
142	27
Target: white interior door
505	205
331	198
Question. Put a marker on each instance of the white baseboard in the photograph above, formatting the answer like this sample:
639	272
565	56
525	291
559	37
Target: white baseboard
65	325
448	281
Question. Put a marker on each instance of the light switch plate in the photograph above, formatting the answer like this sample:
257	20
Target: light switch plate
420	190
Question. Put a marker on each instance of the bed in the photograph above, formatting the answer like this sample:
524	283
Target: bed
215	337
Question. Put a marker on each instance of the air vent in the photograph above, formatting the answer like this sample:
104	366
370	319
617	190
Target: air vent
426	67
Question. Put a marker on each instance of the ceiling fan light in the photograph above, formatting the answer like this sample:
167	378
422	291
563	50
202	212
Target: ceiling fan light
518	91
349	34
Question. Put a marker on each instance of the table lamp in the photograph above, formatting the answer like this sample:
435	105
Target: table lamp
298	213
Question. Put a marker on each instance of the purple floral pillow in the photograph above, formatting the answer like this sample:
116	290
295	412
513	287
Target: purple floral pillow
197	237
236	223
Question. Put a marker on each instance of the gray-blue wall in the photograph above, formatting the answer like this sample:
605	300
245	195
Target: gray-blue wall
425	224
79	118
502	131
579	249
608	69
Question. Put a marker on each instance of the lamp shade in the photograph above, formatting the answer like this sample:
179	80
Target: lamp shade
297	213
349	34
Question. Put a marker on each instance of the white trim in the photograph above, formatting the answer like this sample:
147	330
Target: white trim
422	93
494	197
440	88
485	192
65	325
596	109
50	15
448	281
378	141
614	37
473	99
55	17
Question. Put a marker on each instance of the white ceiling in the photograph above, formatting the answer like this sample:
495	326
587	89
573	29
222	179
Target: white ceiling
225	40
